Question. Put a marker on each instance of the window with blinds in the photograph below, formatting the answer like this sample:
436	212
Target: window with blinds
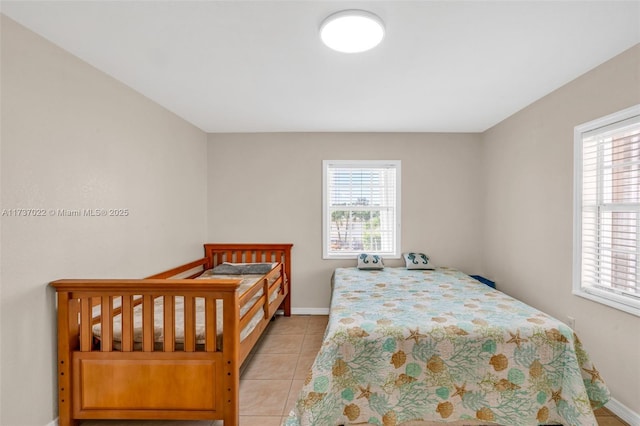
607	210
361	208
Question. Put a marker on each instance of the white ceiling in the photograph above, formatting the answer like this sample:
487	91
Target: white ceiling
259	66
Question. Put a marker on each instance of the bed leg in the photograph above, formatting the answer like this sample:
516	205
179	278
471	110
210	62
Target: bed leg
64	396
232	408
232	385
67	309
231	357
232	419
67	421
64	414
287	305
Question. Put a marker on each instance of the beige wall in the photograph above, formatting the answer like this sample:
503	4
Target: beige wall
74	138
268	188
528	214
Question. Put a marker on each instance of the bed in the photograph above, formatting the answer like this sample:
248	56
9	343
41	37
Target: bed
169	346
423	346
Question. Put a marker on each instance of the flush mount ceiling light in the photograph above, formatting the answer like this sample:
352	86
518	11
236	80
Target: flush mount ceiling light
352	31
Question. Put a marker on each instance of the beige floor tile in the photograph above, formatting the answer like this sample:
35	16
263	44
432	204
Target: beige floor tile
312	343
263	397
296	387
305	361
265	366
147	423
610	421
246	364
260	420
606	418
257	344
317	324
280	344
289	325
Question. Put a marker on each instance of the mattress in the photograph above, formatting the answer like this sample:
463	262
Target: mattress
404	345
247	281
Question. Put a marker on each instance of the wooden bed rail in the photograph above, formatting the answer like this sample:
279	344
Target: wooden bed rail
187	271
125	351
139	286
82	296
197	267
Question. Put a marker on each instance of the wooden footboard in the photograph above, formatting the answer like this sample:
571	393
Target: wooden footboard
97	381
132	378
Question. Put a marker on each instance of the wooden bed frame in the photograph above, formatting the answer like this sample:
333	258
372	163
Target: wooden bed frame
96	381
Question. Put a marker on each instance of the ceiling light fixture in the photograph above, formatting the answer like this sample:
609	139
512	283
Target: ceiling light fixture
352	31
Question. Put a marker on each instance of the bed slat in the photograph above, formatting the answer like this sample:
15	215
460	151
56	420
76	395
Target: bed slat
169	312
147	323
211	326
86	334
106	312
265	286
259	304
189	324
127	323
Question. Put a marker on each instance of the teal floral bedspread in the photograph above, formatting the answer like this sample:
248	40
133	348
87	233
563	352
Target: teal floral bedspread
406	345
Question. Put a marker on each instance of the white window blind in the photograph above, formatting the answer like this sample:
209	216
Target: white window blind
361	208
608	199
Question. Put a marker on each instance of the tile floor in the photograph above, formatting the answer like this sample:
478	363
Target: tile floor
607	418
273	375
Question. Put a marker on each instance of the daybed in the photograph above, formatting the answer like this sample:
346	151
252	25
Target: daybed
169	346
415	346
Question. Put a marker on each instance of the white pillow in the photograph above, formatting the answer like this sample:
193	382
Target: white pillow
370	261
417	261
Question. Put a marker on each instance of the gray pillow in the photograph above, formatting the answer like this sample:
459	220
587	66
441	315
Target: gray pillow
242	268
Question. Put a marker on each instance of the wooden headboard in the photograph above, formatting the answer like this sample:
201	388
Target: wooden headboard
218	253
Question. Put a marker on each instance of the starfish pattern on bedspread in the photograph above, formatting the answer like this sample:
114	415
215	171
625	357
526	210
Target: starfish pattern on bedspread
440	346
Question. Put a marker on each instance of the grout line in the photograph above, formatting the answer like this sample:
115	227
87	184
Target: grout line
287	399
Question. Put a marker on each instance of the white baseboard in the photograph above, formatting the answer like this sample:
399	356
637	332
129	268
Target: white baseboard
624	412
54	422
310	311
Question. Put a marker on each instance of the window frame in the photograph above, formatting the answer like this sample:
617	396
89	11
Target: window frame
608	297
326	215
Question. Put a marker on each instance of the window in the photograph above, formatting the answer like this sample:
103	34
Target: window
607	210
361	208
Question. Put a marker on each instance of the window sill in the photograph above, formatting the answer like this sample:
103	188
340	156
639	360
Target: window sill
607	299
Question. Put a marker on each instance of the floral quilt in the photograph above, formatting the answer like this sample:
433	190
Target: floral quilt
405	345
